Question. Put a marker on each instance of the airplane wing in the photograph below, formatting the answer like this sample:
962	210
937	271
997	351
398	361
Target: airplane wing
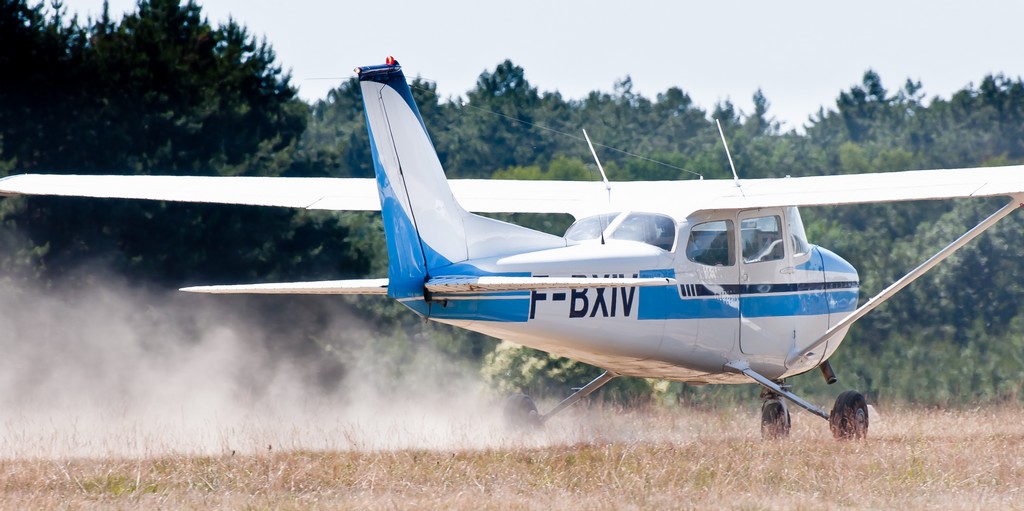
681	198
334	194
359	194
879	187
577	198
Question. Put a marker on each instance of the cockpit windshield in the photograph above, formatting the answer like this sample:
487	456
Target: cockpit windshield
651	228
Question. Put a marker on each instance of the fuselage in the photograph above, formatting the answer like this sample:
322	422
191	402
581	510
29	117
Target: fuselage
748	287
743	286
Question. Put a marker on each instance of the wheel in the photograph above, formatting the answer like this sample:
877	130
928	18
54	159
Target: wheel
849	417
774	420
520	412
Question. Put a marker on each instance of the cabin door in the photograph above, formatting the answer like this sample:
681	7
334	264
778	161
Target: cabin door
767	291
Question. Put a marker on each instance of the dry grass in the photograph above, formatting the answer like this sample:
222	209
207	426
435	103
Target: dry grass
587	459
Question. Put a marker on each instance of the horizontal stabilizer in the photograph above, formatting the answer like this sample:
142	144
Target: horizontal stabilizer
476	284
323	287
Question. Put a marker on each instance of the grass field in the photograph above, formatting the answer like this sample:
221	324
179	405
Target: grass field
589	458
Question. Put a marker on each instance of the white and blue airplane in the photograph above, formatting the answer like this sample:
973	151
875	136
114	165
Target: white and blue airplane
703	282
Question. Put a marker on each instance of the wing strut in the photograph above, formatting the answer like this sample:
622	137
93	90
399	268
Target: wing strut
895	287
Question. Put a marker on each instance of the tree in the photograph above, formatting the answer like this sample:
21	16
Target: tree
161	92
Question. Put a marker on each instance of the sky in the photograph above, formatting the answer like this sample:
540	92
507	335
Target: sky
800	53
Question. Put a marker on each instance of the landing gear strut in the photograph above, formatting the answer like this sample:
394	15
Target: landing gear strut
848	419
521	411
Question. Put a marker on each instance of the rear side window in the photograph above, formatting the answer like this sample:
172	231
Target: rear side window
650	228
589	228
711	244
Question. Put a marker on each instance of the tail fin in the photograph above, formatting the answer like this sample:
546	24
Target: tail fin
425	226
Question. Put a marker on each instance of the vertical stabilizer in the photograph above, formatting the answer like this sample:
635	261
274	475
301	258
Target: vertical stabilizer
423	223
425	226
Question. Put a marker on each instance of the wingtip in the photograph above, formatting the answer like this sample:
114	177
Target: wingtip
7	193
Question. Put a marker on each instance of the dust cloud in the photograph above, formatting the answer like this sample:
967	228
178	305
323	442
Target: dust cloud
101	367
114	370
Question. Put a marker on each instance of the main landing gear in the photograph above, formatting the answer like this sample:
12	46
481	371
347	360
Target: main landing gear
521	412
775	422
848	419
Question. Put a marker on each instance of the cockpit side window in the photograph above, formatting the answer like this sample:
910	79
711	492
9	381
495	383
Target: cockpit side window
762	239
711	244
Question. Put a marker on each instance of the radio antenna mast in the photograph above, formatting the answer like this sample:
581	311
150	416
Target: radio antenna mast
735	177
604	177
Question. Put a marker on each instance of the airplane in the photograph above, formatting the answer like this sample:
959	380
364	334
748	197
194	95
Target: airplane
699	281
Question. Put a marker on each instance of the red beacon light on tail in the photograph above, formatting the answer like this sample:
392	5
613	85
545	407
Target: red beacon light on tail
390	65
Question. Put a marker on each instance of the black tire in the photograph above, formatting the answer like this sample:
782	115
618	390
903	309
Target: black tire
849	417
520	412
775	422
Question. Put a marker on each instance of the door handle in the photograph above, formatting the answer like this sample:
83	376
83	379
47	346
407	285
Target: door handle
788	270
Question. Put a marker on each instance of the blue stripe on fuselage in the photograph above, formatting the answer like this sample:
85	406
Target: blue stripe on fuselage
785	304
504	309
665	302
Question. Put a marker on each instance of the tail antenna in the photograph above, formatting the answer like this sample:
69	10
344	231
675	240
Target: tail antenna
604	177
735	177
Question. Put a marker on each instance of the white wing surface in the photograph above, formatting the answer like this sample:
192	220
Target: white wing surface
879	187
335	194
681	198
577	198
290	192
